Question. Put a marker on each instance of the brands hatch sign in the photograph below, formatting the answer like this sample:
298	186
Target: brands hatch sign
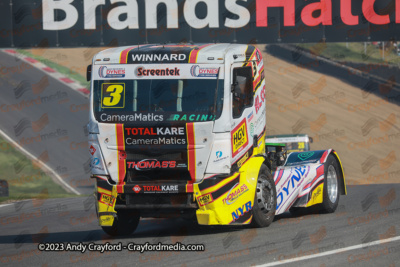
71	23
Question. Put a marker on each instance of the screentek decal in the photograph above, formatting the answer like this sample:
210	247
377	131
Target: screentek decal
105	72
239	138
148	164
235	193
241	211
197	71
141	71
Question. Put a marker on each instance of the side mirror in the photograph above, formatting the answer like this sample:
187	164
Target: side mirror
311	139
89	73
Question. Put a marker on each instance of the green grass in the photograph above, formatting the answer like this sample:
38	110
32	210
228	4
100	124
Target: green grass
25	180
64	70
354	52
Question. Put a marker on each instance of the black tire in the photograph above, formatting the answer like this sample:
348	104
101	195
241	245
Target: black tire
331	165
125	224
264	200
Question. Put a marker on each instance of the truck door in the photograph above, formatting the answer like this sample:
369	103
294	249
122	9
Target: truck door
242	110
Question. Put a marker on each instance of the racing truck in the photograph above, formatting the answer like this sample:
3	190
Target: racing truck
178	130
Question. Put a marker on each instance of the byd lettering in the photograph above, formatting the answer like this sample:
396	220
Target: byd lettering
129	13
148	164
239	212
294	181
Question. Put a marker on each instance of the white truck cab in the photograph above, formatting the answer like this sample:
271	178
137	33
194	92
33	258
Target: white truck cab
179	129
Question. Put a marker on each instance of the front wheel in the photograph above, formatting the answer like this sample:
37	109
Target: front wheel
265	199
125	223
332	181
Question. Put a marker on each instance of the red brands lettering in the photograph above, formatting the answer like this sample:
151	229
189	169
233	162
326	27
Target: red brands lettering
324	7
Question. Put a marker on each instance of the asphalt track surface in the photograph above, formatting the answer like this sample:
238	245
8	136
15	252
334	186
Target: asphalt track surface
47	118
366	214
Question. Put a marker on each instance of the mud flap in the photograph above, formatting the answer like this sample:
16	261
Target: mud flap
228	200
106	199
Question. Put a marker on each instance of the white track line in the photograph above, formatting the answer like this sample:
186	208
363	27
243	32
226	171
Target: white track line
5	205
44	165
336	251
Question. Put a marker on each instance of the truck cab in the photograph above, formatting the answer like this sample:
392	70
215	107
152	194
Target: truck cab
179	130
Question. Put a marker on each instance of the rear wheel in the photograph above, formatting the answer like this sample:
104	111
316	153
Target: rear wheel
332	180
265	199
125	223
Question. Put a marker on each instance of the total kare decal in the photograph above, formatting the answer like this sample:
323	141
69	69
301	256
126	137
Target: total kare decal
136	136
240	138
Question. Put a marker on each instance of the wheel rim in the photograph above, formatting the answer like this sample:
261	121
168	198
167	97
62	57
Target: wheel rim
265	196
332	185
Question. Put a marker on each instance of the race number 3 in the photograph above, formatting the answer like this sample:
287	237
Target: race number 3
113	95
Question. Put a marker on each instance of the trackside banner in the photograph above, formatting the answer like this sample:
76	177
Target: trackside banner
92	23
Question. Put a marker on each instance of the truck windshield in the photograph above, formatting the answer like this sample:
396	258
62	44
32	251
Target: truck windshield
145	100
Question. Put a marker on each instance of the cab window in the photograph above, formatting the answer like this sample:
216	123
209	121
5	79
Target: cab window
242	90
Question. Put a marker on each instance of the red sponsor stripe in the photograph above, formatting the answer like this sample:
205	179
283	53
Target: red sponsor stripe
189	188
120	188
123	58
195	52
119	130
320	172
323	158
191	150
280	173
